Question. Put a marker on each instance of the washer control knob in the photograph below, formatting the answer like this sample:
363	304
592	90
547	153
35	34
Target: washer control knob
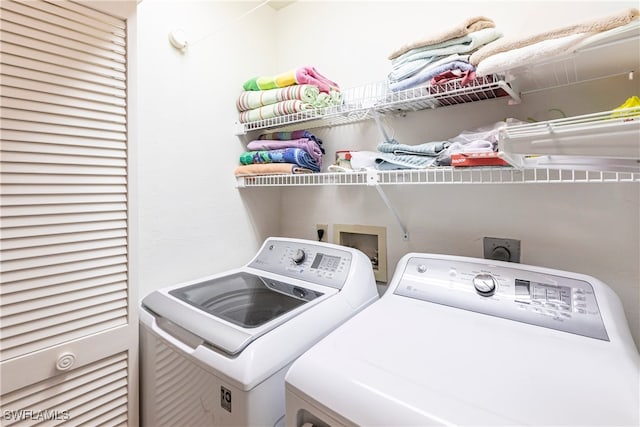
299	257
422	268
485	284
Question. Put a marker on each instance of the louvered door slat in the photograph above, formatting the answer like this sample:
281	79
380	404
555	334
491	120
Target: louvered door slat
40	287
56	315
62	21
79	106
74	150
67	248
46	138
37	34
86	54
42	107
28	23
60	119
14	178
20	211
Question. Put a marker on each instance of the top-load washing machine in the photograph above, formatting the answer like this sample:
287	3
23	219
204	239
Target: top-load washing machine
464	341
214	351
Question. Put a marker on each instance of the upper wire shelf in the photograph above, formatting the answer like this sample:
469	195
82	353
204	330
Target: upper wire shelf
608	140
360	102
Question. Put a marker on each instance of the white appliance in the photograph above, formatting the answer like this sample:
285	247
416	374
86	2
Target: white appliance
464	341
214	351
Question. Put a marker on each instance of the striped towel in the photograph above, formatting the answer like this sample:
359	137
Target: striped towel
249	100
300	76
427	149
273	110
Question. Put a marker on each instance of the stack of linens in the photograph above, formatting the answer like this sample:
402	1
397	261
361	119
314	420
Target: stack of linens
299	90
282	153
516	51
440	57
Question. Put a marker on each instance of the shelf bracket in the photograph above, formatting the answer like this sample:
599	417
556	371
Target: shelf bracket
387	202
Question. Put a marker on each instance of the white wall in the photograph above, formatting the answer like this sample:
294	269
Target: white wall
587	228
193	221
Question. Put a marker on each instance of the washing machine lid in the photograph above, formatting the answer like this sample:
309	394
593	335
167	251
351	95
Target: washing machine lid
231	311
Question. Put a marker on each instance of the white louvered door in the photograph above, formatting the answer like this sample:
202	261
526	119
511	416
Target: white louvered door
68	321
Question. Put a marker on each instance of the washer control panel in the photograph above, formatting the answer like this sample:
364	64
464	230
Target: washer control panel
320	264
562	303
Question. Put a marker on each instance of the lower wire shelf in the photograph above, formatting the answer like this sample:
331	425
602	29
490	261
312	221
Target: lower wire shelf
440	175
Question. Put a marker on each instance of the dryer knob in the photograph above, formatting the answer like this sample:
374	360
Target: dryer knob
299	257
485	284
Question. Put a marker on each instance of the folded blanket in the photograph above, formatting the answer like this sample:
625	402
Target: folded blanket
270	169
592	26
411	68
306	144
285	155
472	41
249	100
535	53
426	76
296	134
469	25
300	76
273	110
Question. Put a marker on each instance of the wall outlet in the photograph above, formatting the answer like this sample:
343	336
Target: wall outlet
322	232
501	249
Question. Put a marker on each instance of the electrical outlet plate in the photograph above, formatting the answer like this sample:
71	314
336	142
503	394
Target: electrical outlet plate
501	249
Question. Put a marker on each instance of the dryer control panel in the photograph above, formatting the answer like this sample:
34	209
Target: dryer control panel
316	263
557	302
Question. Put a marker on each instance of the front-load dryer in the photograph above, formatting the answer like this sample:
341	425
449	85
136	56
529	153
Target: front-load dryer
214	351
465	341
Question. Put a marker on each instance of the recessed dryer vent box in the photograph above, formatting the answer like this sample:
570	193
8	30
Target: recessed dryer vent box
369	239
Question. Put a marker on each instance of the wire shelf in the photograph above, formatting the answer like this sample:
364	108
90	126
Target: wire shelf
360	102
442	175
607	140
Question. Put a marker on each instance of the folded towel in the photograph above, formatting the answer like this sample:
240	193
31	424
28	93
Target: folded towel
306	144
597	25
274	110
300	76
427	149
249	100
535	53
296	134
286	155
270	169
472	42
390	161
426	76
469	25
411	68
